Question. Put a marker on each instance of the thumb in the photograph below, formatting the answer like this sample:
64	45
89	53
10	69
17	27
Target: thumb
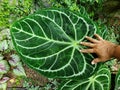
96	60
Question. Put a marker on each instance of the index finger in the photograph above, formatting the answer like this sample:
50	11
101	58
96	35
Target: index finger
91	39
98	37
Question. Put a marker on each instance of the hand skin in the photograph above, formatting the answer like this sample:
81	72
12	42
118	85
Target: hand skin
104	50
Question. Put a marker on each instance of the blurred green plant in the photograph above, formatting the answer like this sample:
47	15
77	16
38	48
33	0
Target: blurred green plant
11	10
93	7
92	1
30	87
52	84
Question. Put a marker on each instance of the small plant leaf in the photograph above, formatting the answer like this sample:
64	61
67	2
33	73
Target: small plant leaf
4	67
10	44
14	60
5	33
3	86
3	45
4	80
1	57
19	70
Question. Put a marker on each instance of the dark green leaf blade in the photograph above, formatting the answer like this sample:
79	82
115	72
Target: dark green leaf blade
99	81
48	41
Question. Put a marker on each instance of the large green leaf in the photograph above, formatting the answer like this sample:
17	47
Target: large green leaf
48	41
99	81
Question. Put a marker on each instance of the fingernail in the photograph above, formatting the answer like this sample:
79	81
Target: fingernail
81	42
86	36
92	63
81	51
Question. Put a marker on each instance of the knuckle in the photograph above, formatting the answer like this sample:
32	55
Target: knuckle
95	50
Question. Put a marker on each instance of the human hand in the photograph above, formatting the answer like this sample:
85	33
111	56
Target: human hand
102	48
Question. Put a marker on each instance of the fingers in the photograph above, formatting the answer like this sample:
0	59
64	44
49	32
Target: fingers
87	44
96	60
94	40
87	51
91	39
98	37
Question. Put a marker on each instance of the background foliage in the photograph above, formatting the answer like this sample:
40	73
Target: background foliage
11	10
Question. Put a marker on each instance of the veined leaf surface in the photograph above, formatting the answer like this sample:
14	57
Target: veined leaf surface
48	41
117	81
99	81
